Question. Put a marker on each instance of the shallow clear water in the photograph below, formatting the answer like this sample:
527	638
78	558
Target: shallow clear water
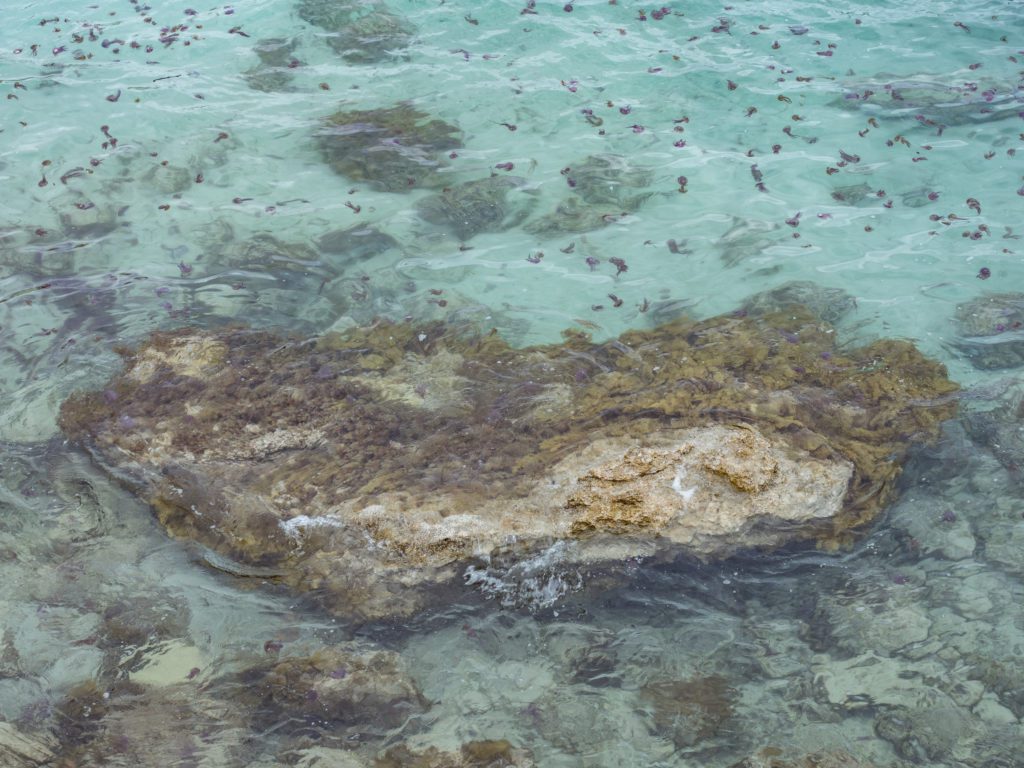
905	648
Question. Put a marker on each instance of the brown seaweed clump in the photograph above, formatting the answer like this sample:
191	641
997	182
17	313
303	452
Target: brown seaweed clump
394	149
373	466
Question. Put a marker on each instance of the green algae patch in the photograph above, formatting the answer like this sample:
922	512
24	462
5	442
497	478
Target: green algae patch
371	467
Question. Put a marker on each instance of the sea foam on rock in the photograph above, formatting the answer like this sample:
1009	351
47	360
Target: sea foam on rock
374	466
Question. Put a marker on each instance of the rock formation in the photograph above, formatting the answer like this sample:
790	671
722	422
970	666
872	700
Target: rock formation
372	467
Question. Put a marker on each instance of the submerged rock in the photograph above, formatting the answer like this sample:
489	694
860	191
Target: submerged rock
274	72
747	239
493	753
610	180
689	712
373	37
572	216
477	206
999	426
361	32
265	253
393	149
22	750
773	757
374	466
169	179
83	219
604	190
126	725
328	14
345	686
928	735
829	304
855	194
340	694
934	100
357	243
991	330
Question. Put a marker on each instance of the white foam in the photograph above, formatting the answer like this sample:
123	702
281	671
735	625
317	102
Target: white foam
294	527
677	485
536	582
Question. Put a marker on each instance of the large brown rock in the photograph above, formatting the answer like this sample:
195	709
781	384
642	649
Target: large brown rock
374	466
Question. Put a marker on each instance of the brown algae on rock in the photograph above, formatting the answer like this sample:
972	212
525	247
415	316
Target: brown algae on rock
371	467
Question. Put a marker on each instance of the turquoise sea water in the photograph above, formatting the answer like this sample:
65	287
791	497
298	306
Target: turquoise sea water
147	158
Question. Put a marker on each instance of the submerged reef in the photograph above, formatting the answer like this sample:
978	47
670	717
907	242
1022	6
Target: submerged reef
371	467
393	149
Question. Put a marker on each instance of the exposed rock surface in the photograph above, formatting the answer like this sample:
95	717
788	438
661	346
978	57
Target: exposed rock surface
372	466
